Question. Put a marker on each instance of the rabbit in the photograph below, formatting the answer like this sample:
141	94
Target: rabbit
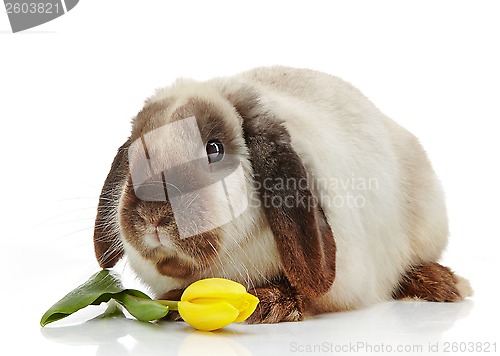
323	203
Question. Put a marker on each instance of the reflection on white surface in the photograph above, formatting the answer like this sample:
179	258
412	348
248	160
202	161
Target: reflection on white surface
413	325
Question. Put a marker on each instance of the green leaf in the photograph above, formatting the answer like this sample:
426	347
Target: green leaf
141	308
100	288
114	310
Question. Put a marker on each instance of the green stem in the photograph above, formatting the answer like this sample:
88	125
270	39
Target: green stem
172	305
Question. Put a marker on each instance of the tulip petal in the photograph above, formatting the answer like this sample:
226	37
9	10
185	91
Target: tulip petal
208	317
251	305
217	288
239	303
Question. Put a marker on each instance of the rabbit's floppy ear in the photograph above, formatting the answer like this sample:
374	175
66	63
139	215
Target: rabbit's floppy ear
107	244
304	239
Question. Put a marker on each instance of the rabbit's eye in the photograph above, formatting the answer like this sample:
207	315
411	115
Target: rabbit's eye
215	151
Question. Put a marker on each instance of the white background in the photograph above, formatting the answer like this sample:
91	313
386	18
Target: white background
69	88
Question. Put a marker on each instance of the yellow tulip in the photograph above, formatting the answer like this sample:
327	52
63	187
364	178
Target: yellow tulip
212	303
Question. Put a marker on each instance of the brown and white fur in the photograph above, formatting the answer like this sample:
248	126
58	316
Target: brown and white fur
329	256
